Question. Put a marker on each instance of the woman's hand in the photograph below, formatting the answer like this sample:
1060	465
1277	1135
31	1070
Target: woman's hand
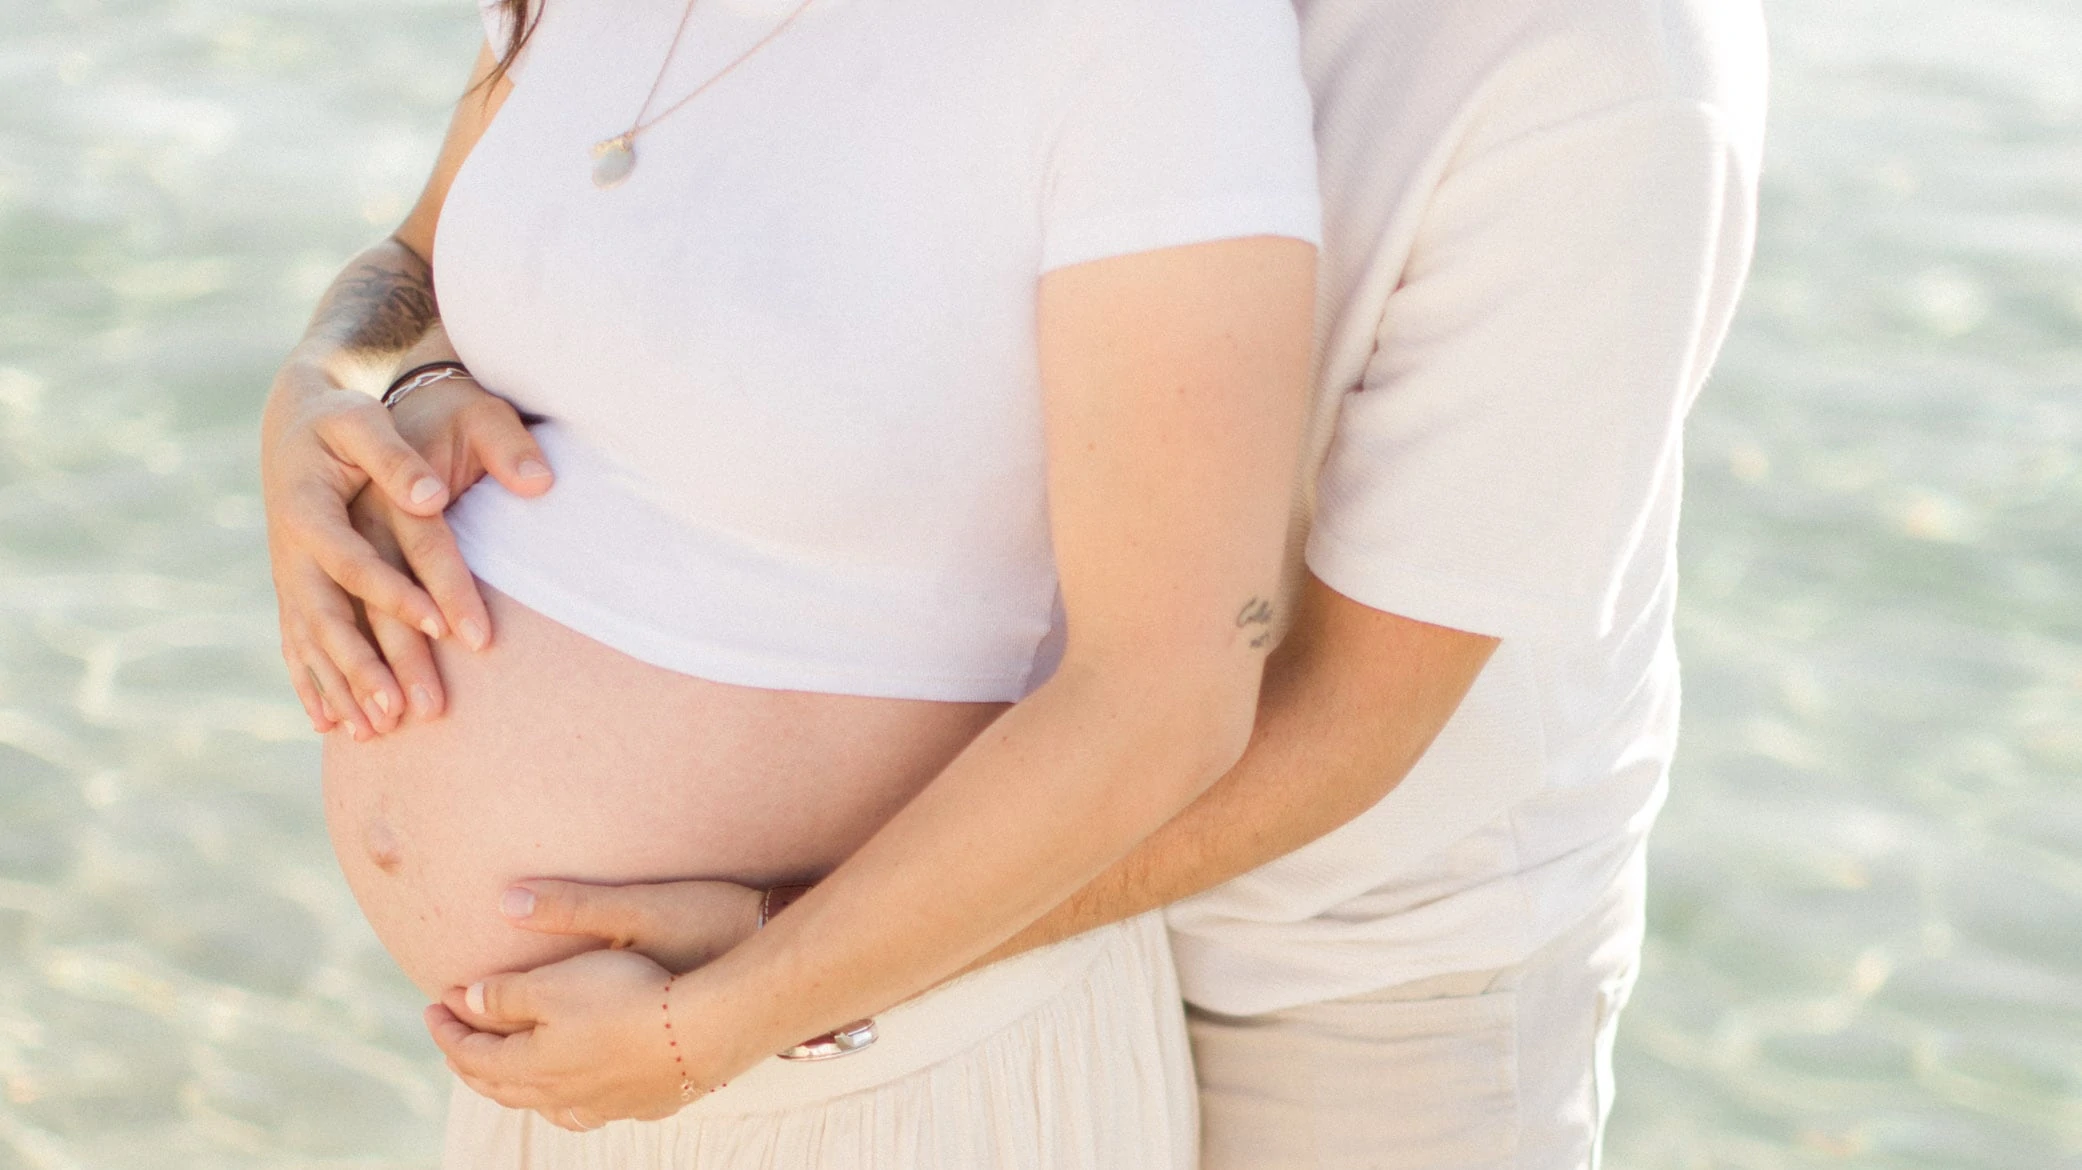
679	925
320	445
336	444
322	442
582	1042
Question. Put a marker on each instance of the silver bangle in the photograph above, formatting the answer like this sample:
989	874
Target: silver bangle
397	393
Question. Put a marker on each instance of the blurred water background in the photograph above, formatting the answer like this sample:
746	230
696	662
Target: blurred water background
1866	940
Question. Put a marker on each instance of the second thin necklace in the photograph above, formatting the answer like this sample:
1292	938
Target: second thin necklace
614	158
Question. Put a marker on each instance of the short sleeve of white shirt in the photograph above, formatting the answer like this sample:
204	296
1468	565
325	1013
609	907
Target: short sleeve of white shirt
1521	417
1184	121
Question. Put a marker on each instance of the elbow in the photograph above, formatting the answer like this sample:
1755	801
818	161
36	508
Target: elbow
1228	737
1206	734
1175	729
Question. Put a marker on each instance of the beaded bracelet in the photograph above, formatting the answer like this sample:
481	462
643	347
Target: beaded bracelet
419	376
687	1090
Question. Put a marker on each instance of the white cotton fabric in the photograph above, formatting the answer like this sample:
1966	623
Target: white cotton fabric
1501	1069
1537	218
789	367
1071	1057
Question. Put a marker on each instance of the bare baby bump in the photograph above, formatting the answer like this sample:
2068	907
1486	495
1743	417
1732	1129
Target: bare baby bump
561	757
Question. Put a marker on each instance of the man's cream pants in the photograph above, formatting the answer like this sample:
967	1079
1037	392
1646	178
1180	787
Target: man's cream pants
1509	1069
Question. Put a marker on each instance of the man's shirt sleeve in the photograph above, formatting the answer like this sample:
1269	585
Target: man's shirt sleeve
1511	461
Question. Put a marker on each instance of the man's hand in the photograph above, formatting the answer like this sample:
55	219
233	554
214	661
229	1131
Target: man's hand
678	925
322	446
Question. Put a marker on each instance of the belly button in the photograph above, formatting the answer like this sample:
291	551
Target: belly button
382	845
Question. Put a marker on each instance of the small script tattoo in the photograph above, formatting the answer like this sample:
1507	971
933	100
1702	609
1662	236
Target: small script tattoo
1256	616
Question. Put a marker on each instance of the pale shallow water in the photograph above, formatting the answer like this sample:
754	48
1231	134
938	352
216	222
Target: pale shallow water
1867	920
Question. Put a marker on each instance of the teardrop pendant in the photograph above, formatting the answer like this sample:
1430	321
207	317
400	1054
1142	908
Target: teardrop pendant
613	159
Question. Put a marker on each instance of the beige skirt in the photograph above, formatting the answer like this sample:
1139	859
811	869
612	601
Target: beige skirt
1071	1057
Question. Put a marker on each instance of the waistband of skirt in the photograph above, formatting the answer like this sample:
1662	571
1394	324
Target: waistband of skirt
922	1032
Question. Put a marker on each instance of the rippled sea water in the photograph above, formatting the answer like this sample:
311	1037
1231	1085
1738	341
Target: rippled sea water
1866	941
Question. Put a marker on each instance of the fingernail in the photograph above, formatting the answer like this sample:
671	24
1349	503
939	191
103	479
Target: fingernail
422	701
382	701
355	730
430	628
474	998
424	489
517	902
473	634
533	469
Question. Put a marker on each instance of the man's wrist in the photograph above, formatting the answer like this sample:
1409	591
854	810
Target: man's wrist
775	899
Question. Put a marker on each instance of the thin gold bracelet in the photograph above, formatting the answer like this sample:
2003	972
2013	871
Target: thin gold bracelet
687	1090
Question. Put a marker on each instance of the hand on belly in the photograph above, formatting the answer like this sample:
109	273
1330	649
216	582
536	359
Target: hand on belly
560	757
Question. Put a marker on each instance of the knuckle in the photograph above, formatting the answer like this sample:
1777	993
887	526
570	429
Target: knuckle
357	662
366	677
485	409
426	542
352	573
368	417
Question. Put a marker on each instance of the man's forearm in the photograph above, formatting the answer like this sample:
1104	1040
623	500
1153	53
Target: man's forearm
1351	700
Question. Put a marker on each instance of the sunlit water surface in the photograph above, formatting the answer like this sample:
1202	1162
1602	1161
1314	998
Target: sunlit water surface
1867	923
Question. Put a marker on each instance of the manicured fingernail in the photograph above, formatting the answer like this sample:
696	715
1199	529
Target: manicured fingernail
473	634
533	469
517	902
424	489
422	700
430	628
474	998
382	701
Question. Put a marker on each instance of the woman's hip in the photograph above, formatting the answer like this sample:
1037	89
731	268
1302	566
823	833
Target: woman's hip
1070	1057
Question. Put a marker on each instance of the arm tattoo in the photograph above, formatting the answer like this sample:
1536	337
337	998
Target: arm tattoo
381	308
1256	616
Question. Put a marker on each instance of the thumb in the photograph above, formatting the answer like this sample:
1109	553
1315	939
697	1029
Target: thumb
367	437
506	448
613	914
503	1004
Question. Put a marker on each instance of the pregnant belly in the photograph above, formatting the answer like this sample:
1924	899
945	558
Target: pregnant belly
560	757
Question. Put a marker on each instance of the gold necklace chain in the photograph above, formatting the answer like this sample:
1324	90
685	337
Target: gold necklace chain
614	158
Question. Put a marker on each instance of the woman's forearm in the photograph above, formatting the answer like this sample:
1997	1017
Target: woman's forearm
1352	700
377	309
1054	791
1173	391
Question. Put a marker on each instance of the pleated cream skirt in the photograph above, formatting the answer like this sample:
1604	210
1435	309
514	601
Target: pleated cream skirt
1071	1057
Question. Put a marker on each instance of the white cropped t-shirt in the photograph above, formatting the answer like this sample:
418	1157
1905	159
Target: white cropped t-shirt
788	368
